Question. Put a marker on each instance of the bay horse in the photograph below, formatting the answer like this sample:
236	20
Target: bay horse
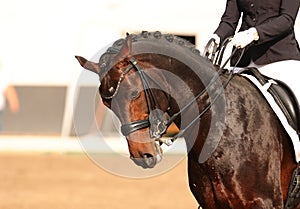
239	155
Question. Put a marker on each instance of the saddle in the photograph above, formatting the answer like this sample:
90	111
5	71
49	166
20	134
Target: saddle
281	92
283	96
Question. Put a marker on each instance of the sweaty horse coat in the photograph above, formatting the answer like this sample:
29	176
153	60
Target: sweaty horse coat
239	154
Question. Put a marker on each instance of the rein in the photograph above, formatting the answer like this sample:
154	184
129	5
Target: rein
198	118
213	80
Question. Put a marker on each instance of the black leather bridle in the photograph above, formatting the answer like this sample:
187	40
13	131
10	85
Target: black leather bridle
159	121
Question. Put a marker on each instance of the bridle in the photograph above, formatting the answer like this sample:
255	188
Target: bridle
158	121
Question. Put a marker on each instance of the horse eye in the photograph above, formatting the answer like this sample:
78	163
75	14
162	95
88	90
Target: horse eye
134	94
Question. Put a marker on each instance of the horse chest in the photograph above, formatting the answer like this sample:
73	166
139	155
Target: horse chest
207	183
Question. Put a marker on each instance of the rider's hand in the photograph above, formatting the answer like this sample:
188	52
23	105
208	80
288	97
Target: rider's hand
242	39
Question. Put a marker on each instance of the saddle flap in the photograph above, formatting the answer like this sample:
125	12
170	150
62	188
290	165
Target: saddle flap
287	101
283	96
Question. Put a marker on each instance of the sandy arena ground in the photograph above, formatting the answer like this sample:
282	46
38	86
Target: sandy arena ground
73	181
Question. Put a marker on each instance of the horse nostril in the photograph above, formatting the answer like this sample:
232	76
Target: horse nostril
147	155
146	160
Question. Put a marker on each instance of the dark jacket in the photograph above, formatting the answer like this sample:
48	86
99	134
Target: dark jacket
274	21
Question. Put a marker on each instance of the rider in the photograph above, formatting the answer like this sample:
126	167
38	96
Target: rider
268	36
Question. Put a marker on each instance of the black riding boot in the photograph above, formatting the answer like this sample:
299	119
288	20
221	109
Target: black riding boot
294	190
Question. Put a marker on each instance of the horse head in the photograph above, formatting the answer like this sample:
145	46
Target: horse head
134	90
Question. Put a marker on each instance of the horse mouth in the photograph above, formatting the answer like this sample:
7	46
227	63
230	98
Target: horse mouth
148	160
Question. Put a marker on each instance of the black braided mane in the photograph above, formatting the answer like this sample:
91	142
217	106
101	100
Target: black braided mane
156	36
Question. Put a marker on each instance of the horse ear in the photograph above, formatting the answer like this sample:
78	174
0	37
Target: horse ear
91	66
127	46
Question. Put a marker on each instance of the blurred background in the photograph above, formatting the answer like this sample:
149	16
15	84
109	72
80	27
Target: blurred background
40	38
42	164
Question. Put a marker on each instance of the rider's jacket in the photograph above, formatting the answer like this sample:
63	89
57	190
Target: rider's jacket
274	21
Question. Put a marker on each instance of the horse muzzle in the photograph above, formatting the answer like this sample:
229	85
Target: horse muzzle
148	160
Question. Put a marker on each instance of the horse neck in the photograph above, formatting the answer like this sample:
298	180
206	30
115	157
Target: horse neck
183	83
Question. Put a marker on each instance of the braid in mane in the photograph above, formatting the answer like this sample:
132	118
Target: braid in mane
112	51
